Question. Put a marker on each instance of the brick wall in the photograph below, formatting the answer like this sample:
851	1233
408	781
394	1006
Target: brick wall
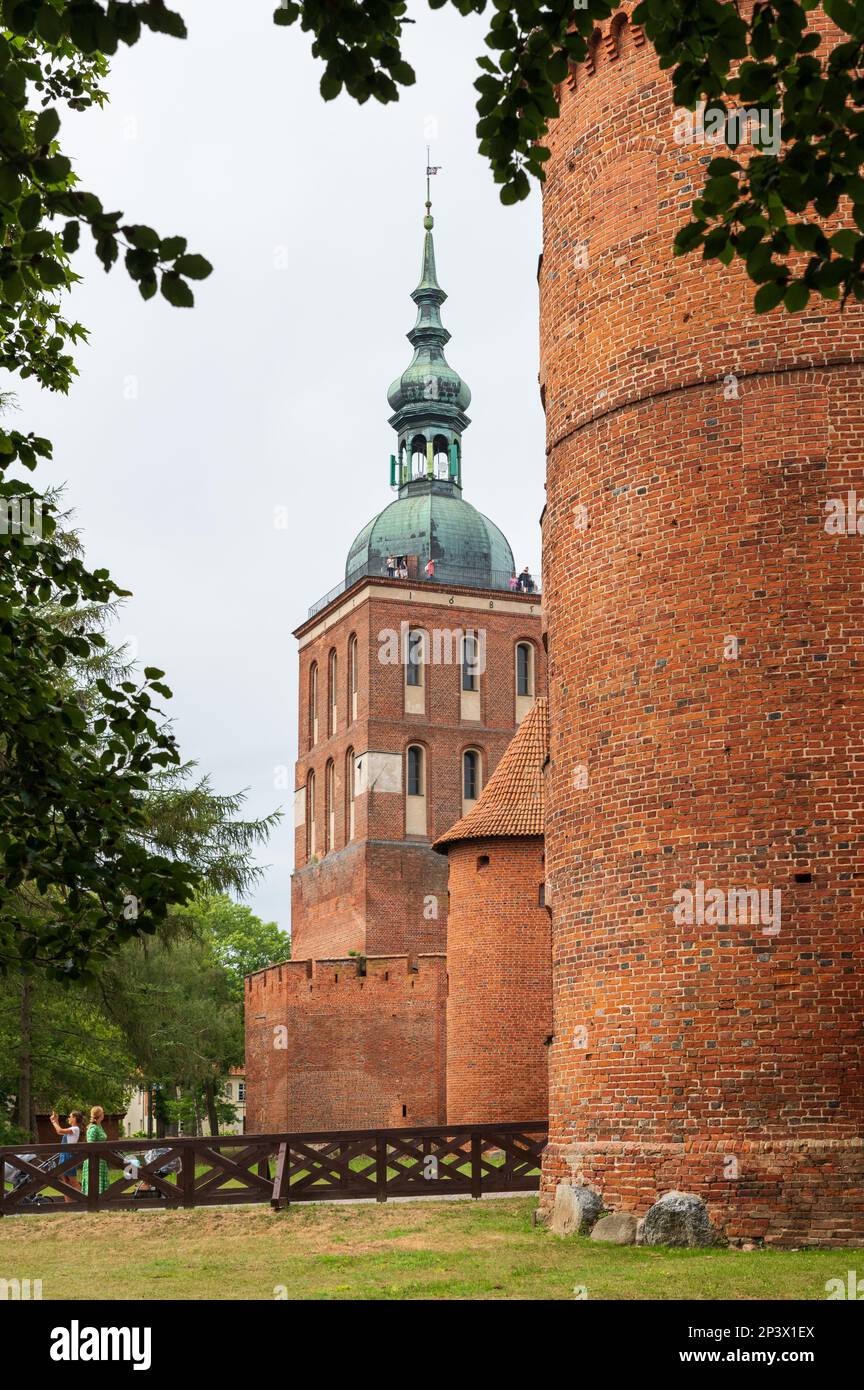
692	447
499	1011
329	1048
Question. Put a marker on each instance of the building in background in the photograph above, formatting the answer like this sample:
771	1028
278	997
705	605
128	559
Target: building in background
233	1090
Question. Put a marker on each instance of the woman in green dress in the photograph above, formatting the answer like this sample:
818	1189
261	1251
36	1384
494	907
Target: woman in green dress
95	1135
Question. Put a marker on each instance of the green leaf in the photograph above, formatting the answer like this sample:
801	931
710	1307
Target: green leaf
846	242
196	267
144	238
30	211
171	247
10	183
71	236
176	291
49	25
768	297
330	86
796	297
46	126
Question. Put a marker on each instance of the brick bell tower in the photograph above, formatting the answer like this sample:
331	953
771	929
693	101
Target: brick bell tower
414	674
706	678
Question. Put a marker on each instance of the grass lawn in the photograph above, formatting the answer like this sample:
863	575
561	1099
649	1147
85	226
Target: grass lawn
416	1250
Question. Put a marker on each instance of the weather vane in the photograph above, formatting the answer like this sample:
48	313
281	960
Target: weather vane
430	170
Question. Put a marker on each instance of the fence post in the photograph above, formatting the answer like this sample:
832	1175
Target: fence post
280	1182
380	1168
92	1161
187	1175
476	1168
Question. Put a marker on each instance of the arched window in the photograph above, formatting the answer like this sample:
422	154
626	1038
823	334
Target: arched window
416	778
524	668
313	704
329	806
350	792
310	816
415	656
470	662
352	677
418	456
332	690
441	457
415	790
470	775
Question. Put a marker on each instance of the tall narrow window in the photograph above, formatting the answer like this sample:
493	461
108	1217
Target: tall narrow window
415	788
329	806
470	662
350	791
524	669
415	771
313	704
310	816
414	658
331	692
524	679
352	677
470	775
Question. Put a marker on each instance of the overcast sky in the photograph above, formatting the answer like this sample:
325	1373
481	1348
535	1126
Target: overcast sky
190	433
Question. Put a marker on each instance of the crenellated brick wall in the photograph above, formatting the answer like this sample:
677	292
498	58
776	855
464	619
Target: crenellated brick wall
345	1044
706	674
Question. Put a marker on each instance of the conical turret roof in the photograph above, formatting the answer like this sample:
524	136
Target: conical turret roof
511	803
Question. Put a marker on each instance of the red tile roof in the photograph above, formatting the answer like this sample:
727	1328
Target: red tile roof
512	801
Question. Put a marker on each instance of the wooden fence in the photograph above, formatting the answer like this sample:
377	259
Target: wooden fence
447	1160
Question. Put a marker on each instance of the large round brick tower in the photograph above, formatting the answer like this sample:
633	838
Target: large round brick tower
705	795
499	1014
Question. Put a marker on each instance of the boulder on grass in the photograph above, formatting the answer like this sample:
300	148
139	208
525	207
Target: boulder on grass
616	1228
679	1218
576	1209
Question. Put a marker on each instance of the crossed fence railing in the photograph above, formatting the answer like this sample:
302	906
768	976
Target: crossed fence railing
448	1160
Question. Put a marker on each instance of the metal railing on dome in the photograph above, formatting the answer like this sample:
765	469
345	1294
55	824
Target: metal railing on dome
460	576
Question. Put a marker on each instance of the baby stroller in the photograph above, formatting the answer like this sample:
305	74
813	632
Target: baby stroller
19	1178
143	1187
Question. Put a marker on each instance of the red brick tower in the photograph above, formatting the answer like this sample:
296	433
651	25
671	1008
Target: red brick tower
413	677
706	694
499	965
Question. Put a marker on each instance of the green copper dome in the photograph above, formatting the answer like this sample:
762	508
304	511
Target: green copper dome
430	520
